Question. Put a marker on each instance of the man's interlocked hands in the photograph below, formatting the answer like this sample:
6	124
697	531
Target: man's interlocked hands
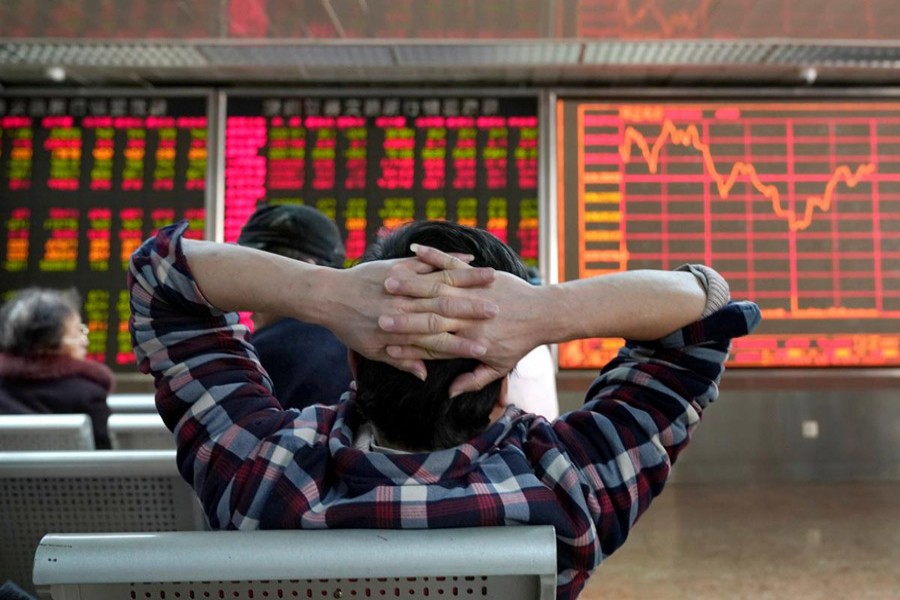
436	306
637	305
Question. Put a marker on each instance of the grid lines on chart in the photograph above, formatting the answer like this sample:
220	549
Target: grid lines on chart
798	206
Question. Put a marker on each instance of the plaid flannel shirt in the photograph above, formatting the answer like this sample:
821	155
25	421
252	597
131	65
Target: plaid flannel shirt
590	473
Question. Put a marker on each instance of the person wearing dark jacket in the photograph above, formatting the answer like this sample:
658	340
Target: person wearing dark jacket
307	363
43	369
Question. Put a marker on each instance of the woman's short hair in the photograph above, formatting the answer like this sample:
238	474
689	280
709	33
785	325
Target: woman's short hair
32	322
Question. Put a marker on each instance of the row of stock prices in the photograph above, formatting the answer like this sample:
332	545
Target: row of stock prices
375	163
83	181
796	203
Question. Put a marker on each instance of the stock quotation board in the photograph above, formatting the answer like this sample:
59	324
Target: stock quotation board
375	163
83	181
796	203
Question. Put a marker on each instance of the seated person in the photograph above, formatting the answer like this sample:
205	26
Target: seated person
428	443
43	369
306	362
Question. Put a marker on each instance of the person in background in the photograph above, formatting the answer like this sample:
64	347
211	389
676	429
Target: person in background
43	365
532	384
306	362
424	440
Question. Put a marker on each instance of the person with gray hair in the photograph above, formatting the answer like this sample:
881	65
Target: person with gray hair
43	364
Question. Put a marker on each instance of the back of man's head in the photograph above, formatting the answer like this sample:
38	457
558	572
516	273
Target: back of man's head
295	231
417	415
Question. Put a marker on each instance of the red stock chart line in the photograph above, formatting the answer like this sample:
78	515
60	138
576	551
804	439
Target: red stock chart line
797	204
634	15
727	19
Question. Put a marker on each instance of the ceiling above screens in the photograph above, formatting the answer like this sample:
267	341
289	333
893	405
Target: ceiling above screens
570	42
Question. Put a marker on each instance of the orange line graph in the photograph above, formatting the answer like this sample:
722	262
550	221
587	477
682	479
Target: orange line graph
690	137
686	19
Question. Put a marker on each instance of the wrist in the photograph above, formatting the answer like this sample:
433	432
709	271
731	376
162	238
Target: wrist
555	316
307	292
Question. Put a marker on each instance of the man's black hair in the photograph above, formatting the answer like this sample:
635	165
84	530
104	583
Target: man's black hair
295	231
417	415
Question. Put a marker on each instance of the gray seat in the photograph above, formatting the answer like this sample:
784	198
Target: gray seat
132	403
139	432
515	562
46	432
108	491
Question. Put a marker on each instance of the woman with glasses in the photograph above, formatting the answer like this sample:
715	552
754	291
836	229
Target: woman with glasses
43	369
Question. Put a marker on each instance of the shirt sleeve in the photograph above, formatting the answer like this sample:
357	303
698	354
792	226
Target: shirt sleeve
210	388
717	291
612	456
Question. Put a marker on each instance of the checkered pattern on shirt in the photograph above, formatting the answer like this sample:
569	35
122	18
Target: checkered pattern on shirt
590	473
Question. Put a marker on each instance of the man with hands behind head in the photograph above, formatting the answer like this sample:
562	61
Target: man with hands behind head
426	439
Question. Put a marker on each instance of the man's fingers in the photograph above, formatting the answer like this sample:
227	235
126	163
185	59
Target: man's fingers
407	352
426	323
438	259
474	381
440	346
457	307
466	258
431	286
464	278
414	315
467	382
416	266
416	367
418	323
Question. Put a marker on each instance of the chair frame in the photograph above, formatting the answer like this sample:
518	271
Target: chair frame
483	562
132	403
134	431
40	432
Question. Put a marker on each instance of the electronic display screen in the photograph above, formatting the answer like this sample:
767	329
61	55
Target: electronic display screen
83	181
796	203
375	163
